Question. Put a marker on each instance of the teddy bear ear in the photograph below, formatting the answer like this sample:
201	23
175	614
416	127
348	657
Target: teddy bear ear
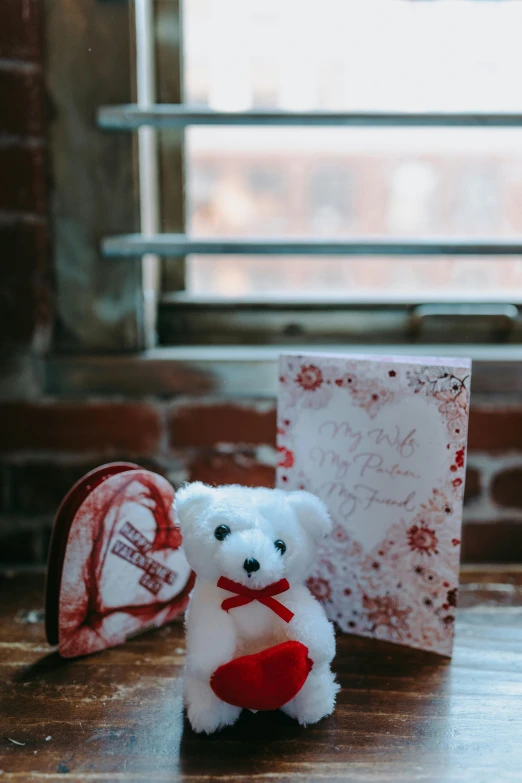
190	501
311	513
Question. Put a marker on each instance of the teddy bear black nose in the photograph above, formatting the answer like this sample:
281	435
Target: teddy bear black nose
251	565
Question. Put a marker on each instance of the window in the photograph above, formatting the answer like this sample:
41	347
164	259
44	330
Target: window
351	171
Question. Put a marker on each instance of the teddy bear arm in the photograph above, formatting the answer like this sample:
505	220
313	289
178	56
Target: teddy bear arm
311	627
211	639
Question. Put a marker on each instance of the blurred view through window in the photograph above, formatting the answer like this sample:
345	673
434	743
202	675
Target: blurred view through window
414	55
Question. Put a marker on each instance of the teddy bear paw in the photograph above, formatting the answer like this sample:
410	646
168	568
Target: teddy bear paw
316	699
207	713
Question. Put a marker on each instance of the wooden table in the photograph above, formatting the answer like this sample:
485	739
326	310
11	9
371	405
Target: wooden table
402	715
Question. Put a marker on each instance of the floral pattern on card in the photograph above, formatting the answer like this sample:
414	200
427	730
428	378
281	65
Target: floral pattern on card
383	442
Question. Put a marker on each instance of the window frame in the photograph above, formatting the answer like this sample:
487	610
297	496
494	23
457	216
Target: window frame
193	319
99	305
106	272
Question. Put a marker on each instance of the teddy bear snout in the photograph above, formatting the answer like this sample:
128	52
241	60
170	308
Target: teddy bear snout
250	557
251	564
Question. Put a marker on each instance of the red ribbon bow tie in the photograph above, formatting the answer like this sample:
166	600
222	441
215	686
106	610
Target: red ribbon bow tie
245	596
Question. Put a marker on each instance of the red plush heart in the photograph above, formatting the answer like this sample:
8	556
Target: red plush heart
265	680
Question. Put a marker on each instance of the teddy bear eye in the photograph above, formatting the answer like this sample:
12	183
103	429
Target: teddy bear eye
221	532
280	545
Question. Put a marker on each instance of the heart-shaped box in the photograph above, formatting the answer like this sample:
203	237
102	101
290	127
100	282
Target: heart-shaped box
115	565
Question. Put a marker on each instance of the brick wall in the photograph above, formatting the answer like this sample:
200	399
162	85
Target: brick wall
46	446
25	293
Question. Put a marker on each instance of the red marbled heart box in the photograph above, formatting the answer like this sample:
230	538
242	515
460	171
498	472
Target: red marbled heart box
115	566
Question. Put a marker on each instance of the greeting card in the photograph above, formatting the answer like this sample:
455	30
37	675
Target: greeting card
116	566
382	440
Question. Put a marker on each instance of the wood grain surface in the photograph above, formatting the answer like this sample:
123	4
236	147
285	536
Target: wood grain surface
402	715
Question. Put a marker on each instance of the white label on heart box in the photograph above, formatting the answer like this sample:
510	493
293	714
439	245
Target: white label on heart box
382	441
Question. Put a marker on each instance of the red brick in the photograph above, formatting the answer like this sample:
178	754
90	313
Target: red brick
209	425
473	487
506	488
104	428
492	542
495	430
23	180
21	29
26	290
214	468
22	96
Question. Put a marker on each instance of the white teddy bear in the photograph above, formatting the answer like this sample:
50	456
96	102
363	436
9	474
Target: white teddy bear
253	629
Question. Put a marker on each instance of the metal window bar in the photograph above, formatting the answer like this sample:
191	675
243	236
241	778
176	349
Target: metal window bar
131	117
181	245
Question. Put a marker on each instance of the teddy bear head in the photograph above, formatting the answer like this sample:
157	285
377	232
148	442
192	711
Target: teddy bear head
254	536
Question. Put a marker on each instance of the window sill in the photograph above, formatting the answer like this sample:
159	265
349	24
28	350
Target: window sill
248	371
